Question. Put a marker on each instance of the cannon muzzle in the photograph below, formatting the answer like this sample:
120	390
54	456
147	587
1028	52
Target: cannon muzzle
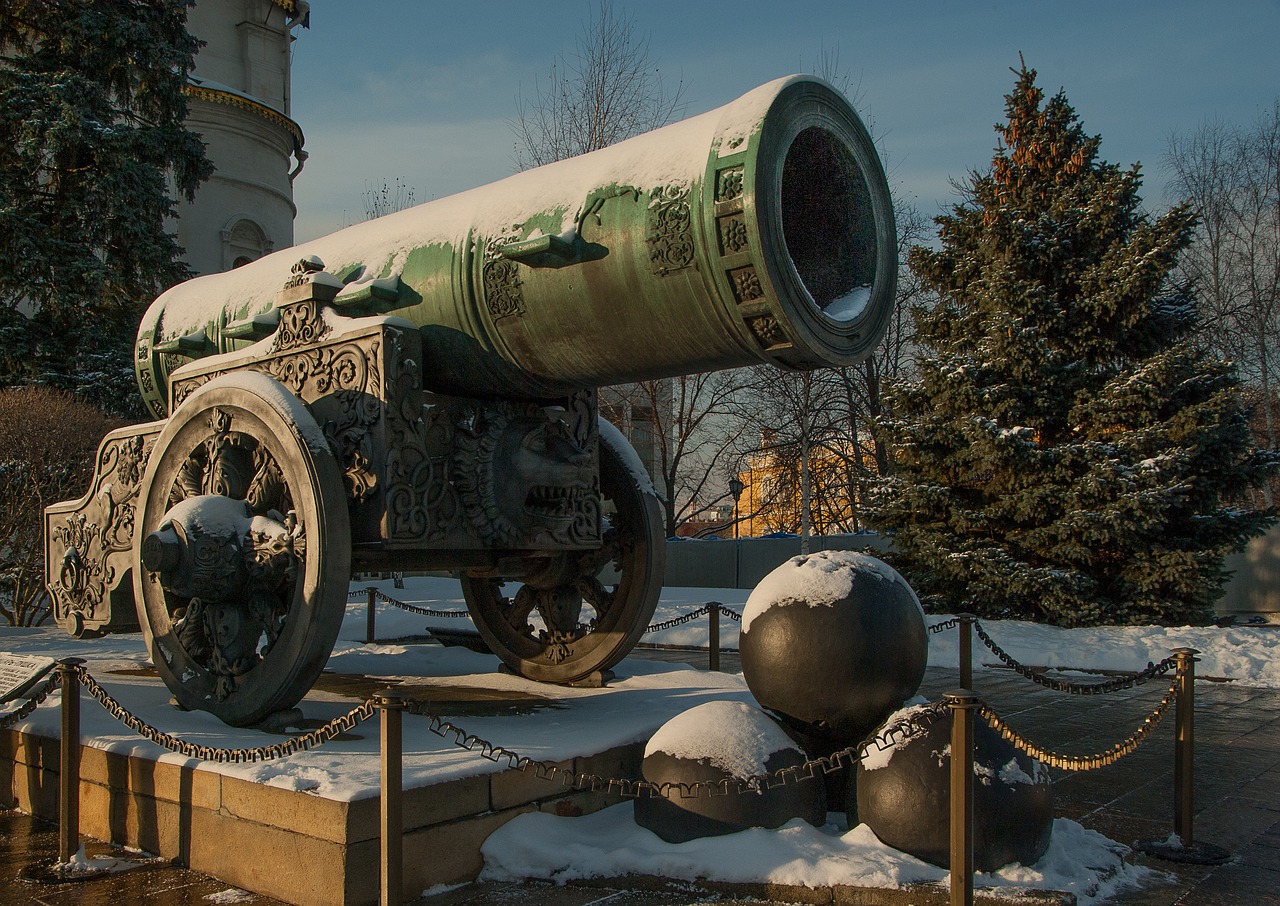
758	232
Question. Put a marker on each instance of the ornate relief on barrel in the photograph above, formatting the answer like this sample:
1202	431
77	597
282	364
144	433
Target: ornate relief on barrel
671	246
503	292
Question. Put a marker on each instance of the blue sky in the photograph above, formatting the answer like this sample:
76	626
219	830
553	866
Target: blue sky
424	92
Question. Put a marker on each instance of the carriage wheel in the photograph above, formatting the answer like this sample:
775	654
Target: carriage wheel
242	550
572	645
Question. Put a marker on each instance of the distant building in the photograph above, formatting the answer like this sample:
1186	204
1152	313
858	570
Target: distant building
771	498
640	412
239	104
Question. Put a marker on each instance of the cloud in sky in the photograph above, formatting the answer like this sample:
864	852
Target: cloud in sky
424	93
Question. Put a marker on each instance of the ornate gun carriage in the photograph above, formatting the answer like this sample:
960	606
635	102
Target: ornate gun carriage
419	393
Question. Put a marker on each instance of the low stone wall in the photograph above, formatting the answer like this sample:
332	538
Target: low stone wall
294	846
1254	587
743	562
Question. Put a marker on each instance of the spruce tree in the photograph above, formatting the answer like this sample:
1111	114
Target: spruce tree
1065	453
92	144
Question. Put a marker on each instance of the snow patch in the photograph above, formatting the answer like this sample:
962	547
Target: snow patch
610	844
736	737
822	579
850	305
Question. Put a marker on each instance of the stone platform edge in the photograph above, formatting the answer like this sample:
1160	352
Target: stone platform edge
294	846
833	894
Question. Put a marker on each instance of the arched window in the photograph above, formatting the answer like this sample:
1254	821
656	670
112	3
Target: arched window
243	241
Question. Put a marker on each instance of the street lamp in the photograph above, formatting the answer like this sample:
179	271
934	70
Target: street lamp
736	488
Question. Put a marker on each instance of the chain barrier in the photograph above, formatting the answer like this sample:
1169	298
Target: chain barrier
1082	762
905	728
412	608
944	625
692	615
332	729
1151	671
908	727
32	703
704	610
689	617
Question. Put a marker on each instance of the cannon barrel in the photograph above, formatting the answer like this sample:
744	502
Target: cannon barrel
758	232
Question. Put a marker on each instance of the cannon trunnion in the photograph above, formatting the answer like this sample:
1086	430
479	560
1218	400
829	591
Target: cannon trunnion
420	395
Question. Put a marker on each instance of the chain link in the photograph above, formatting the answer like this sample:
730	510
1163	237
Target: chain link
677	621
1083	762
944	625
910	726
1113	685
332	729
730	613
704	610
412	608
35	701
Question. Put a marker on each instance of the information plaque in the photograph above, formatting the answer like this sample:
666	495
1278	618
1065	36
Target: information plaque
19	672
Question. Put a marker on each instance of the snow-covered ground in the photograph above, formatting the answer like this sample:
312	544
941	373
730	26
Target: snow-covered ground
580	721
1248	655
610	844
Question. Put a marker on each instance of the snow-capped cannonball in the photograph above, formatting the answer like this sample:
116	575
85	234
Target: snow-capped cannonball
832	643
904	797
715	742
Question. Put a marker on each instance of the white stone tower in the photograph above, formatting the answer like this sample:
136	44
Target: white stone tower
238	100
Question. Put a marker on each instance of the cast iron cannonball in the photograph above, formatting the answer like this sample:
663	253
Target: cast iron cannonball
719	741
903	796
832	643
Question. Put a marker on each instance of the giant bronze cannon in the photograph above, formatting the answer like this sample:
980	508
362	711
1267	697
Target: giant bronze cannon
419	393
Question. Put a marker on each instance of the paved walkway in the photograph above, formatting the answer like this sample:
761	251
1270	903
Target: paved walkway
1237	801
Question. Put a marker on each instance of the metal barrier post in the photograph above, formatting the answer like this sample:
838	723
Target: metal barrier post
69	766
966	650
962	704
1182	847
1183	757
368	624
713	653
391	705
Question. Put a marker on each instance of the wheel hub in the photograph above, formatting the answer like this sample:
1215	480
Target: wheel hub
223	566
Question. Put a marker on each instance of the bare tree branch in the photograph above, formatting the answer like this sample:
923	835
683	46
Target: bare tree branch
608	90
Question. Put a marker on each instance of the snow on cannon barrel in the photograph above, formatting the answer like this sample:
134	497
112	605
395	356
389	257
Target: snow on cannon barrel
419	393
760	231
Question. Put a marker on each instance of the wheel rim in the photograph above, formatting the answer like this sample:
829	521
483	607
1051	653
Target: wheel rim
576	640
242	481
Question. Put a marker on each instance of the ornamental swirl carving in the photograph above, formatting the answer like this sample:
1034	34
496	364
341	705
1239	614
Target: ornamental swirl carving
421	501
503	292
347	377
97	538
671	245
301	324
